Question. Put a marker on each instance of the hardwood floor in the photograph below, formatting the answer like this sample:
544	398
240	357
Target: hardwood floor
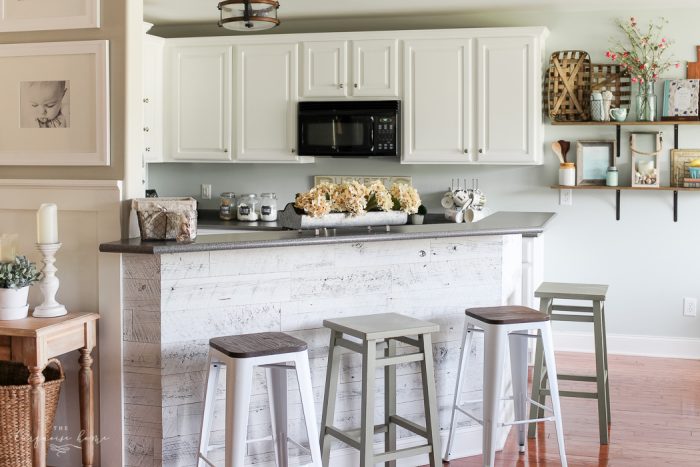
655	418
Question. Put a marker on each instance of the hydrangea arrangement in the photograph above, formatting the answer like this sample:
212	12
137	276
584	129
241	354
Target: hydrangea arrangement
355	198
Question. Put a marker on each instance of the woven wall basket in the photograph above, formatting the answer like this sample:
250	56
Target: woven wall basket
569	86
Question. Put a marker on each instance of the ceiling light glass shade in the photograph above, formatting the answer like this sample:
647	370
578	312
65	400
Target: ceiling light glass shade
248	15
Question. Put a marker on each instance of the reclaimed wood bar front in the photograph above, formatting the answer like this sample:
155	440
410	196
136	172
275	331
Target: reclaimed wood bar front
180	296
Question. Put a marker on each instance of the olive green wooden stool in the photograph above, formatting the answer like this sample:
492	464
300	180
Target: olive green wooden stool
374	330
595	293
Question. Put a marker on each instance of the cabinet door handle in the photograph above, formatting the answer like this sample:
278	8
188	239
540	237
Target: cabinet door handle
466	151
148	149
341	85
146	129
481	151
225	149
294	150
146	100
355	85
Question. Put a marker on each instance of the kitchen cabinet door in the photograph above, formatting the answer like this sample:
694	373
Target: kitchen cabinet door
508	103
266	102
437	113
375	68
200	103
324	69
152	98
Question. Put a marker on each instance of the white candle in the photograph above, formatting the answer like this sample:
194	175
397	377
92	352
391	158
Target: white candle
8	247
47	224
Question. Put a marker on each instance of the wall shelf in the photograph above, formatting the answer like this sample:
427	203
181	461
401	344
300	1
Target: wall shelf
618	189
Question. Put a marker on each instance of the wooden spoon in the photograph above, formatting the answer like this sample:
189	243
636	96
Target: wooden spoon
565	145
556	147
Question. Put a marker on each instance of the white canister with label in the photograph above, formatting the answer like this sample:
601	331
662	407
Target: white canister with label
567	174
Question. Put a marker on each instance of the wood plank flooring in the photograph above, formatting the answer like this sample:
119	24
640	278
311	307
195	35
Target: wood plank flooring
655	418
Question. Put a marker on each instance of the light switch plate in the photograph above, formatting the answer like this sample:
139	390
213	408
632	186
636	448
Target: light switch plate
566	197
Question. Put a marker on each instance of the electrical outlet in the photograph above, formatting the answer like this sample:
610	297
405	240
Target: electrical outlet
690	306
566	197
206	191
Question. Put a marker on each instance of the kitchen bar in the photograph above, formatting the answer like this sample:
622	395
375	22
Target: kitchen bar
179	295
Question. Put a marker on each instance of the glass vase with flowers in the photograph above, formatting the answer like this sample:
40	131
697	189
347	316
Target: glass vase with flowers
645	57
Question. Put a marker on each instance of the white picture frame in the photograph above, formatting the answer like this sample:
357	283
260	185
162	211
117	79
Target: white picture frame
75	134
45	15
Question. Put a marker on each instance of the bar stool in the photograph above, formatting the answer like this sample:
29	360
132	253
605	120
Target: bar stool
497	323
548	292
240	354
372	330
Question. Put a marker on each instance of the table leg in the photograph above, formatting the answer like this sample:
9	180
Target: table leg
87	413
38	401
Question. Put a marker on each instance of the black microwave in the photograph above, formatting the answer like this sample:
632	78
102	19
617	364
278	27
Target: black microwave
349	128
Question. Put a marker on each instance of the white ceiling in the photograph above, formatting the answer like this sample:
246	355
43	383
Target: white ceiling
162	12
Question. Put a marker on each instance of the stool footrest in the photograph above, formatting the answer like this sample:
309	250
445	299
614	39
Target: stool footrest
529	420
401	453
581	394
575	318
408	425
574	308
590	379
399	359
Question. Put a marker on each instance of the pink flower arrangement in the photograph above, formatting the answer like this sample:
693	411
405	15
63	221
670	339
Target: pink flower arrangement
644	57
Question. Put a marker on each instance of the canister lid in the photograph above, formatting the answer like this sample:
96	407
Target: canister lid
567	165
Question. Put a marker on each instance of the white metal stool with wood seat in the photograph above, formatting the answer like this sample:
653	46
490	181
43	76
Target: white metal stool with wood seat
499	324
372	330
240	354
595	294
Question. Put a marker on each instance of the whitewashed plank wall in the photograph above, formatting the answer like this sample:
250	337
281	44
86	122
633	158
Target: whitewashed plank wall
173	304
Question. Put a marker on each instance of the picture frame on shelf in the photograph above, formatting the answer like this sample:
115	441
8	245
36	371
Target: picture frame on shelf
645	158
57	104
45	15
680	161
681	100
592	161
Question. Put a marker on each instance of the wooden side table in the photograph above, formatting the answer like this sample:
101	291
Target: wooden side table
33	341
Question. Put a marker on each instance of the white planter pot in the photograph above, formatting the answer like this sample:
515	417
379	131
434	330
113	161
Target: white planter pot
13	303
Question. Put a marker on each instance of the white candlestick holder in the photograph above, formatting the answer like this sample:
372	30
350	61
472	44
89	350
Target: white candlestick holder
50	308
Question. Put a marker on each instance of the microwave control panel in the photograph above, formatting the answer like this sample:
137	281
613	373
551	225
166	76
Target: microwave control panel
385	135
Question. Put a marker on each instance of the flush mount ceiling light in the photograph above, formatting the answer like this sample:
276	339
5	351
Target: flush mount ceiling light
248	15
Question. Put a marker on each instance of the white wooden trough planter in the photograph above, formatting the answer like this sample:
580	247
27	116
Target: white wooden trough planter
290	219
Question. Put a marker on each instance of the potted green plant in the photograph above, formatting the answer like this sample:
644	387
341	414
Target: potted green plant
15	278
419	217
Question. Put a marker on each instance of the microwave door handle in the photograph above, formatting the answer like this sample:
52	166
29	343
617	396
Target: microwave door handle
335	133
371	134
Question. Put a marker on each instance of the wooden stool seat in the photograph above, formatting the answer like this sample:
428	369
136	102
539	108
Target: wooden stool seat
507	315
572	291
381	326
257	345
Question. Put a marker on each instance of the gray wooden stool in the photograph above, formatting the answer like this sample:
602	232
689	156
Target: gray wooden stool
547	293
373	330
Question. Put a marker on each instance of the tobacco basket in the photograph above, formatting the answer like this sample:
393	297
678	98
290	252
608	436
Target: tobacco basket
569	86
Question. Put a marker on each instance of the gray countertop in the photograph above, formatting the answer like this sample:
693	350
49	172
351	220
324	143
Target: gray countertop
500	223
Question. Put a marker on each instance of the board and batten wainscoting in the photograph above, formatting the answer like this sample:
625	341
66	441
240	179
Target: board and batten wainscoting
174	303
88	214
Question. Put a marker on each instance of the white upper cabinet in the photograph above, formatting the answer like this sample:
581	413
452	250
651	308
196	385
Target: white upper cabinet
371	70
437	105
200	103
152	100
266	102
325	69
507	115
375	68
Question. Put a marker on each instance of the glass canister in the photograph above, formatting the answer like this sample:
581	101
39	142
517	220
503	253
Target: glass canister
612	176
567	174
268	207
246	207
227	206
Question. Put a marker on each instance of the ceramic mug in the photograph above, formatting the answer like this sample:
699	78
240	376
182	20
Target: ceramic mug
618	114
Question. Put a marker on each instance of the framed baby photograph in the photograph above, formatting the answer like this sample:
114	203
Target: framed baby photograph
55	99
43	15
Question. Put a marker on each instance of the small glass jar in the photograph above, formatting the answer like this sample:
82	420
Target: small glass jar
227	206
567	174
246	205
611	176
268	207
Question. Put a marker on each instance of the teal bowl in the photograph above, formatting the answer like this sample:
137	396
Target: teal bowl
694	172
